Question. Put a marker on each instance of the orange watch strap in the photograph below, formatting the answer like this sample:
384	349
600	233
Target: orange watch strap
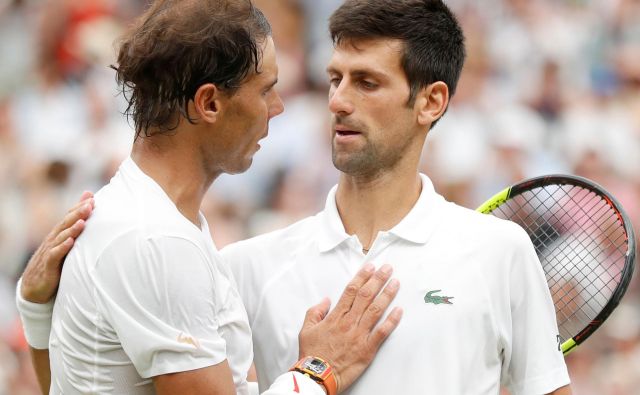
330	383
327	378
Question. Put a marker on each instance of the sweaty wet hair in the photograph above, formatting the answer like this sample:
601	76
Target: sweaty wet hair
178	45
433	40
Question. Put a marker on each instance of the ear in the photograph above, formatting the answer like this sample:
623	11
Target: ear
206	102
431	102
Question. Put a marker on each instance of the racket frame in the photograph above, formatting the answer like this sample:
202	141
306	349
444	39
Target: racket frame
627	272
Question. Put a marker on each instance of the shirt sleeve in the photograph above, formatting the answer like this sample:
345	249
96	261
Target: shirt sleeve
534	363
245	274
157	293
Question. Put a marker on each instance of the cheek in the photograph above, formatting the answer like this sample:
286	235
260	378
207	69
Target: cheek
385	118
393	126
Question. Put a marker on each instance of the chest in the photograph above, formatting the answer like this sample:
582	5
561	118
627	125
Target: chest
441	290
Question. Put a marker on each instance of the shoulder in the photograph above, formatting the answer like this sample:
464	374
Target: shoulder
123	217
149	267
256	260
157	246
484	228
296	236
494	245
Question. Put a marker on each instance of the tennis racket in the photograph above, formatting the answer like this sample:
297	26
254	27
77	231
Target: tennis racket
584	241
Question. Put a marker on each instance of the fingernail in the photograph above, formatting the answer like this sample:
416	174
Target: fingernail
368	267
386	268
393	284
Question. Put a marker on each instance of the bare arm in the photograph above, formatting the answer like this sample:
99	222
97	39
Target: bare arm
212	380
40	362
566	390
42	275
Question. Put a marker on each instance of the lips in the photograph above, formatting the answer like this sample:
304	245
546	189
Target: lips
345	131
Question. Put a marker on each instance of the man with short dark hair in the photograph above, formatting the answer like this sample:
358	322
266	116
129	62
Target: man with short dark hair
145	303
477	310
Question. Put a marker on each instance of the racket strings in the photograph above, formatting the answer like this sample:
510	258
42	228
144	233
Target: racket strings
581	244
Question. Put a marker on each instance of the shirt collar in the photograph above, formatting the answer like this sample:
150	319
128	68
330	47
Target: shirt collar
420	223
332	231
416	227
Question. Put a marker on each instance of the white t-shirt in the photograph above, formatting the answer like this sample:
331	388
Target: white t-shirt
143	293
477	310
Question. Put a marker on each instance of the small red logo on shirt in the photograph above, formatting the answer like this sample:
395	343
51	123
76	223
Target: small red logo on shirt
295	384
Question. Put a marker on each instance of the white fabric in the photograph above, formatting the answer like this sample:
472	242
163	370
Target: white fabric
294	383
36	318
143	293
500	326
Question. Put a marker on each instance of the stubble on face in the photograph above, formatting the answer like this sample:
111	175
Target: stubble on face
368	101
374	156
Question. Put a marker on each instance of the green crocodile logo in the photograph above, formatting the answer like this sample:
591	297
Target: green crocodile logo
437	299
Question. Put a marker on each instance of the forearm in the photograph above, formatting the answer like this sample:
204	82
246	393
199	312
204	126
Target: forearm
566	390
40	361
218	380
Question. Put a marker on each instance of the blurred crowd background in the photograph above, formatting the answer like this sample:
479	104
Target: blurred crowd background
548	86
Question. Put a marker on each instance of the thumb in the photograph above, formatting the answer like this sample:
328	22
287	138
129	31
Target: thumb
316	313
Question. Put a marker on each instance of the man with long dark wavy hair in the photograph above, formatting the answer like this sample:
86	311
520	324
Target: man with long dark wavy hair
145	302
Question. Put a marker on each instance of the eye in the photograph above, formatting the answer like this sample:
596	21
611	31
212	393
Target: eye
267	91
334	81
368	84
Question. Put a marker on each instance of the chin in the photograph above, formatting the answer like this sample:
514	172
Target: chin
356	165
240	167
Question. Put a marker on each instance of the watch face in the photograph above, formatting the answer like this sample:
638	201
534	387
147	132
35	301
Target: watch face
316	366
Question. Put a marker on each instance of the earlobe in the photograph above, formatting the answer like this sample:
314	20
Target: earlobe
432	102
206	102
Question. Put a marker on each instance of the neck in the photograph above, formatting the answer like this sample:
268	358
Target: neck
373	204
177	167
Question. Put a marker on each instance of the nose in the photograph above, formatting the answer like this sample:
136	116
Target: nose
277	106
339	101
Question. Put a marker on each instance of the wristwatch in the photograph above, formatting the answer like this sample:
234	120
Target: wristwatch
318	370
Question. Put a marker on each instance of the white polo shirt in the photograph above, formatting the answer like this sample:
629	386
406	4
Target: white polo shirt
143	293
477	310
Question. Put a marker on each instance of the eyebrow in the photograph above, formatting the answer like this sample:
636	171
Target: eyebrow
359	73
272	84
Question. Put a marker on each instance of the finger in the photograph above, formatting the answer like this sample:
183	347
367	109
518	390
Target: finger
81	211
316	313
369	291
85	195
382	331
89	201
57	253
71	232
376	309
351	290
